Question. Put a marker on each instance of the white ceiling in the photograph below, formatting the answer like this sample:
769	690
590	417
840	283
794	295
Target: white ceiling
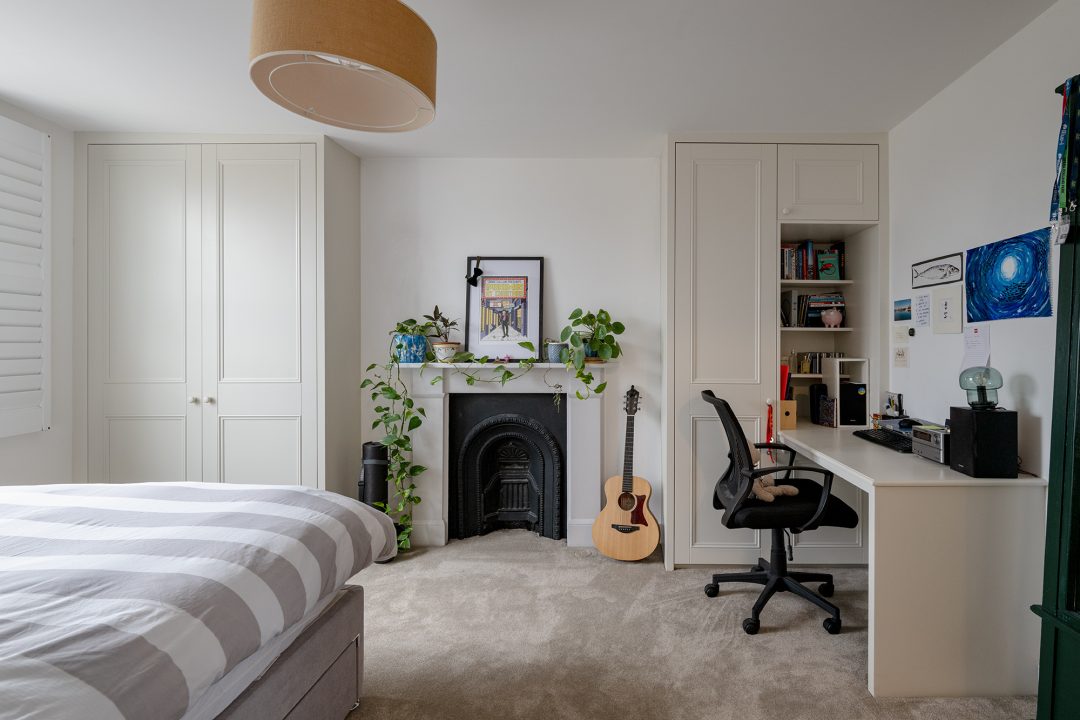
522	77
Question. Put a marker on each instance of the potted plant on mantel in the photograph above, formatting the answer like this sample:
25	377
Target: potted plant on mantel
590	337
441	327
410	341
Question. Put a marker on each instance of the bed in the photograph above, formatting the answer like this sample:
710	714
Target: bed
183	601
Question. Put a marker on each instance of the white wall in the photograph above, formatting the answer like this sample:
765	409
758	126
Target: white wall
45	457
975	165
596	222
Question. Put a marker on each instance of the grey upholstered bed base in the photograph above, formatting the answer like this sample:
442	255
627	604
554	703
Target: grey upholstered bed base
319	676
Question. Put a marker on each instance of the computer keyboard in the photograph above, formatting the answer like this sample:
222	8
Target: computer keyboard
888	438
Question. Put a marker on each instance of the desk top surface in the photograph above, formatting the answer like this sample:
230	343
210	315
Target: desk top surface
867	465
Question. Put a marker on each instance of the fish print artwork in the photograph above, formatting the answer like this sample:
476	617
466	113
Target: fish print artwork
938	271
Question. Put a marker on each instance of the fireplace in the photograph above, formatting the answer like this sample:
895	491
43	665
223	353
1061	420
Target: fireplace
507	464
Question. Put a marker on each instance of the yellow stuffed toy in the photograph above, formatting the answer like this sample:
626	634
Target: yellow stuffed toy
765	487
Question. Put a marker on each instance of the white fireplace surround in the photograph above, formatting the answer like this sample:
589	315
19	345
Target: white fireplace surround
583	451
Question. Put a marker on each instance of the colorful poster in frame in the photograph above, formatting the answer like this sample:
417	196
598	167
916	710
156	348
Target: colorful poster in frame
505	307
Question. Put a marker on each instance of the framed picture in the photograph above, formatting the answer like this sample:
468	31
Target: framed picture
938	271
505	307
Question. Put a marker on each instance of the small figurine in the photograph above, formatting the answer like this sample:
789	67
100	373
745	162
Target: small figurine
832	317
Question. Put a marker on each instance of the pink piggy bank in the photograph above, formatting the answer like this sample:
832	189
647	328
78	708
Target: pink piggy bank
832	318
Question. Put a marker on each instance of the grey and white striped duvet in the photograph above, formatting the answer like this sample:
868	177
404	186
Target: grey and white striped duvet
129	601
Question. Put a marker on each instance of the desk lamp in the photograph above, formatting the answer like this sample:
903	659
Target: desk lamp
981	384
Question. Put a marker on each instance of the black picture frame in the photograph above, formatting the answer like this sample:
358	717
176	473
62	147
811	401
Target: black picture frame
503	265
916	268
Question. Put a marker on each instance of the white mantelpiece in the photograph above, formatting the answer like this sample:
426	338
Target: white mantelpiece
584	443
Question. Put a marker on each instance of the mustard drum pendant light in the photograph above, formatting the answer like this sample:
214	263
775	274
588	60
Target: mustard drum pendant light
357	64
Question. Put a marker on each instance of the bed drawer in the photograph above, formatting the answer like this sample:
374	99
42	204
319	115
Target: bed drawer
335	693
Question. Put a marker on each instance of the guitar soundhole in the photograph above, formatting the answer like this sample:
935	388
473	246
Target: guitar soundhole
627	501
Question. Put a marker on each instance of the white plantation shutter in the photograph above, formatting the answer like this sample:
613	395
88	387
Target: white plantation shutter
24	279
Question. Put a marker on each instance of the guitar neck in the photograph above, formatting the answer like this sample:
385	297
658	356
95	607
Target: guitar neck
628	456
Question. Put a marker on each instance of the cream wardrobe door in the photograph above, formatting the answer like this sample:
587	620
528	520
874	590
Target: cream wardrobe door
259	314
144	335
725	329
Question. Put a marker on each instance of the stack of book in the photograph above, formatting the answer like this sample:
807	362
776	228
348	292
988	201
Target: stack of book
804	261
805	310
809	363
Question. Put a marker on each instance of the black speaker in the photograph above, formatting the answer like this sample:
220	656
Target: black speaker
852	404
983	443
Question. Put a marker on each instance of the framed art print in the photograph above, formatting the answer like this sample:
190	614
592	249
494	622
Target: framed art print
505	307
938	271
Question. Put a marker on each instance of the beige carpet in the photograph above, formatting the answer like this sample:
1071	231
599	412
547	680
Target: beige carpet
510	625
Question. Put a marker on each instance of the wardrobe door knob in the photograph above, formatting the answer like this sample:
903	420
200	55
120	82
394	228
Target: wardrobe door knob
193	400
208	400
786	211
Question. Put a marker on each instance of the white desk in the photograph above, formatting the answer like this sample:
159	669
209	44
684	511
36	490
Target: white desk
954	564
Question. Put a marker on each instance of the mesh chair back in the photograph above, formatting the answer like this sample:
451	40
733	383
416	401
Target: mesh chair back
727	487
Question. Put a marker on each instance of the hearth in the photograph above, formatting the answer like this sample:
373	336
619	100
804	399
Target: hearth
507	465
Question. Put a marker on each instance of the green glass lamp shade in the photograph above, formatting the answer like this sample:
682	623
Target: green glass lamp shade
981	384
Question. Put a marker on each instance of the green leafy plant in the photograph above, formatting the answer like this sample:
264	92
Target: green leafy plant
597	332
413	327
399	416
441	325
484	369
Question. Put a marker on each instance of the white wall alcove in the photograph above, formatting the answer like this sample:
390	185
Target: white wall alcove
582	454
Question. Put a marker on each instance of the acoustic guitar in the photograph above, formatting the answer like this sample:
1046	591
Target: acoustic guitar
626	529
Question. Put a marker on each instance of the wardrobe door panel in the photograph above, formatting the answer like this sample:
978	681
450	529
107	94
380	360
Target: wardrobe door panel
260	270
725	330
144	339
828	182
259	289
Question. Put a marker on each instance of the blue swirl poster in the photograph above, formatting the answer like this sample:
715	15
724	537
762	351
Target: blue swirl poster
1009	278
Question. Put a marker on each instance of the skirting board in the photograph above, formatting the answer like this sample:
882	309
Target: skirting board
578	533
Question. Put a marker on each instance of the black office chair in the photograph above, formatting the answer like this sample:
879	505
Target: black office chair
813	507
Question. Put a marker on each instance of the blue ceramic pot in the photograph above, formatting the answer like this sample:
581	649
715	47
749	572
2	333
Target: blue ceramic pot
554	352
589	352
410	348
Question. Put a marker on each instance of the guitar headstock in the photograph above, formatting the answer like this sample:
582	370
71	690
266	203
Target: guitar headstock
630	403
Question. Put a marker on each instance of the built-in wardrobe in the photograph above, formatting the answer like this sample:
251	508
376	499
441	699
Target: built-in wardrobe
731	207
222	312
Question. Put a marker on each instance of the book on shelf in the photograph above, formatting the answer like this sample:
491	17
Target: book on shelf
806	261
804	310
810	363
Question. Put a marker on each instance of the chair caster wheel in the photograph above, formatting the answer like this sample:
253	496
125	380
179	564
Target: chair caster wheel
826	589
712	590
831	625
750	626
756	568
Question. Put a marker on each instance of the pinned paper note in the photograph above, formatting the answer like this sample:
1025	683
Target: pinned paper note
921	310
900	356
976	346
900	334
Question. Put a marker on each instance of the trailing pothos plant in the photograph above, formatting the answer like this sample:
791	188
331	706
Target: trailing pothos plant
590	334
485	369
398	415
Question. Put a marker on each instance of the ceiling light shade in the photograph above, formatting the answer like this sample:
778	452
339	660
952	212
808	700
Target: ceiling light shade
357	64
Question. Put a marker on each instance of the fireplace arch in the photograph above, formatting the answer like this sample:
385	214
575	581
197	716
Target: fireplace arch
509	472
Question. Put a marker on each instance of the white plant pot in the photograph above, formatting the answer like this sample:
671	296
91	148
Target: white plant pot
445	351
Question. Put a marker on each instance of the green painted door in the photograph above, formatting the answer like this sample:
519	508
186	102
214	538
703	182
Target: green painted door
1059	663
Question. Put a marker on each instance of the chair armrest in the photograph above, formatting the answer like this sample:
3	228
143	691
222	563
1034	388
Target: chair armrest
779	446
826	488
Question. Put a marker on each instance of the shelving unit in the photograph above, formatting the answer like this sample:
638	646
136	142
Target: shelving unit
860	335
823	284
816	329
